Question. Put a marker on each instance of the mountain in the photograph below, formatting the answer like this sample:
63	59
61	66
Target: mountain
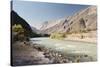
35	30
16	19
85	19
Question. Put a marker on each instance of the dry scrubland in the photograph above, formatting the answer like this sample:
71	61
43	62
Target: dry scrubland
90	36
85	37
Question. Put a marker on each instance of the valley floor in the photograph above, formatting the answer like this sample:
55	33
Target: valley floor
91	40
87	37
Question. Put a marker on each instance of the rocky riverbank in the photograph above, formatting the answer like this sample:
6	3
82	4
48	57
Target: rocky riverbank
27	53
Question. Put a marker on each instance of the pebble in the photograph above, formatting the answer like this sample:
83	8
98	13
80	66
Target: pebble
57	57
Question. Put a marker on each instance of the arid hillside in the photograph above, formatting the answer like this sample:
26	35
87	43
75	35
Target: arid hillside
82	21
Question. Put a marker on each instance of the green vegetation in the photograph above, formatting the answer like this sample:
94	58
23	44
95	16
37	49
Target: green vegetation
17	28
18	33
57	36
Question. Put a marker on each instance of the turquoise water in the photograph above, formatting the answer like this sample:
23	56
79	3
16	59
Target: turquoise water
68	47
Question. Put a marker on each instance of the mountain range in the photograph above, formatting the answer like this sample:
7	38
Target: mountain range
85	19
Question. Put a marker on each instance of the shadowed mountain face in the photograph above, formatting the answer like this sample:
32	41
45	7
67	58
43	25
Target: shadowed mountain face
85	19
16	19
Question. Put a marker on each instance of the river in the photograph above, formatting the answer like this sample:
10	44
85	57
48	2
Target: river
68	47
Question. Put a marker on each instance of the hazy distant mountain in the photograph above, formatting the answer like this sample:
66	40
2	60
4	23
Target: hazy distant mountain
82	20
35	30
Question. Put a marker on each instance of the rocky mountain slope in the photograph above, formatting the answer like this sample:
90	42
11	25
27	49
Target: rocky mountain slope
29	31
16	19
83	20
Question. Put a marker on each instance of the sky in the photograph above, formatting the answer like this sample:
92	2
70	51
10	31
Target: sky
35	13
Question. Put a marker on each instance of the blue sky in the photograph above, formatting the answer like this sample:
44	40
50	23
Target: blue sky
35	13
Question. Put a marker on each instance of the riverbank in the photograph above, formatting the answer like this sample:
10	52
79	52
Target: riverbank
84	37
27	53
90	40
90	36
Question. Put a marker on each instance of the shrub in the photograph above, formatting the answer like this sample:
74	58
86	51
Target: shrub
18	31
17	28
57	36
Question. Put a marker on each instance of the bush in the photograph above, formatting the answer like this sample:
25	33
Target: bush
57	36
17	28
19	33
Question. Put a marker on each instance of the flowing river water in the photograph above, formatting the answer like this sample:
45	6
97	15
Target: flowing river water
68	47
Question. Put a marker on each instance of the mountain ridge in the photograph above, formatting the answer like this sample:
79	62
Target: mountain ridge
83	20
